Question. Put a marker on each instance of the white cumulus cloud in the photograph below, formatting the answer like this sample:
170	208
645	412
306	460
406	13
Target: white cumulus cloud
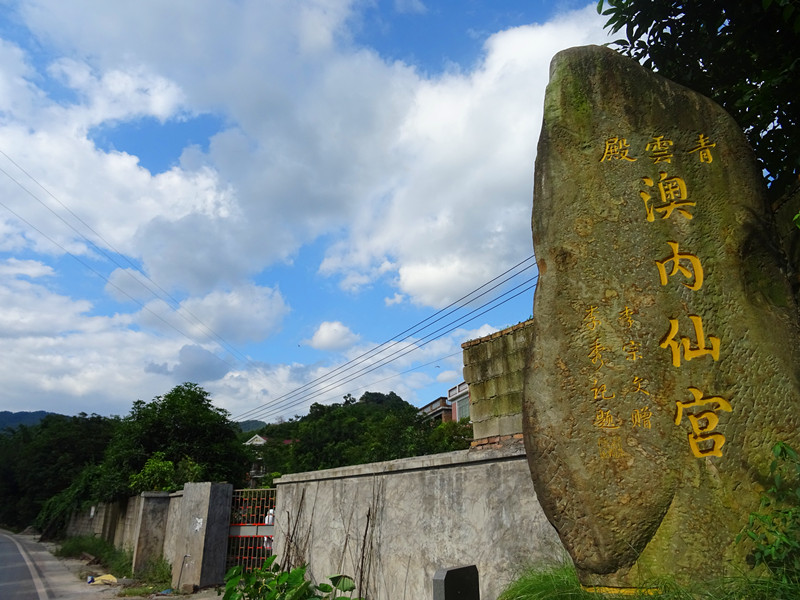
333	335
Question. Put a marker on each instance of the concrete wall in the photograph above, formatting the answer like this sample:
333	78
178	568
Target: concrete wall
493	368
92	522
392	525
150	530
173	526
189	529
126	523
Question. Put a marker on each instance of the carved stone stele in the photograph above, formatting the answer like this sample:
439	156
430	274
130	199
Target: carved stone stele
665	356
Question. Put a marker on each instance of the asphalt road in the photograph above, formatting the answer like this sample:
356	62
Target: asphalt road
19	578
28	571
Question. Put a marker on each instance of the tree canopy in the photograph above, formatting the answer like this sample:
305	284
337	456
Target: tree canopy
374	428
186	429
742	54
39	461
50	469
64	463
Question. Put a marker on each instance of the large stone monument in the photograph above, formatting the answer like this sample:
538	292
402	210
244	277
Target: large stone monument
665	356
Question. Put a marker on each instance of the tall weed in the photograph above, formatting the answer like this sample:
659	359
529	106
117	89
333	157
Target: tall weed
116	561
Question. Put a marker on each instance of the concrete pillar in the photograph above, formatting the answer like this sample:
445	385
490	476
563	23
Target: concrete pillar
202	537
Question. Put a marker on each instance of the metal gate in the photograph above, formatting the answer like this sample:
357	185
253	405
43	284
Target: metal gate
252	528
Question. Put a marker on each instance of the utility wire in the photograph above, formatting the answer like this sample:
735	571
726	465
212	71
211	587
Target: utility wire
410	348
437	334
290	399
400	337
408	333
377	381
159	292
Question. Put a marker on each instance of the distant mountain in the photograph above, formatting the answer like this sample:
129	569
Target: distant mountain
12	419
246	426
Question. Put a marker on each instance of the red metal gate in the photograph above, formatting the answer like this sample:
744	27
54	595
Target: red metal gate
252	528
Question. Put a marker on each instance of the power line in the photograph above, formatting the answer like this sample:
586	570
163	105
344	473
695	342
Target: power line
377	381
161	294
400	337
288	403
324	383
315	395
407	333
413	347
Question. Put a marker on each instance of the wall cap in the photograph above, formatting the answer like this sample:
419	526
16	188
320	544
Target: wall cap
416	463
497	334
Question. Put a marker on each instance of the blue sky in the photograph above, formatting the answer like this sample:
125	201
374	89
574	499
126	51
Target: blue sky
249	194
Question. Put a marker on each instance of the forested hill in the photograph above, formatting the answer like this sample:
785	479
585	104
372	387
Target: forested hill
12	419
246	426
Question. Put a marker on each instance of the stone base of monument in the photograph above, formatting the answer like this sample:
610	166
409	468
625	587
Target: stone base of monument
620	591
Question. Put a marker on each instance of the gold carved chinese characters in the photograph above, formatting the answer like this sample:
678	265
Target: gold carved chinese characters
669	197
607	415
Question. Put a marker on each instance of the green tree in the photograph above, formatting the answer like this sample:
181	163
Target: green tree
450	436
183	425
743	54
376	427
39	461
157	475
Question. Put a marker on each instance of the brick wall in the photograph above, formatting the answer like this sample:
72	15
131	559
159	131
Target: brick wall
494	367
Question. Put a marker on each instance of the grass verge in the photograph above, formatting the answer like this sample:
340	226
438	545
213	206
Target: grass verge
155	577
116	561
561	583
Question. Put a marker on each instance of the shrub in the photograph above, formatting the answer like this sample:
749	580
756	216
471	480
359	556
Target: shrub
158	474
775	528
270	582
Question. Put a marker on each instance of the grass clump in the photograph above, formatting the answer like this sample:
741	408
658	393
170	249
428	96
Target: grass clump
561	583
552	583
118	562
155	577
157	573
139	590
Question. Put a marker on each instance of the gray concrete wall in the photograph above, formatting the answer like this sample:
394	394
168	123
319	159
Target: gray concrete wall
493	368
125	527
116	522
202	537
90	523
189	529
150	530
172	526
392	525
